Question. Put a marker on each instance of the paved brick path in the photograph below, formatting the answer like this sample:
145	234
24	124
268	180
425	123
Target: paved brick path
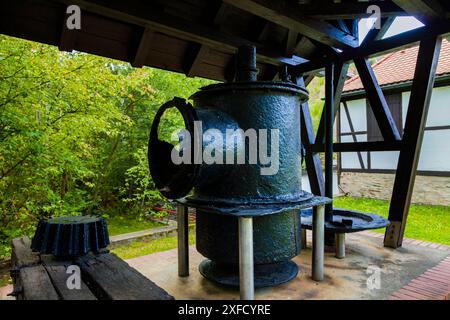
434	284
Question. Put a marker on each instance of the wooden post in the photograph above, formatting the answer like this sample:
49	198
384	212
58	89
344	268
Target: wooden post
183	240
329	125
419	103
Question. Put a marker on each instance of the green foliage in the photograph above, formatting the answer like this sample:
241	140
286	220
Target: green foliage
120	224
73	134
316	103
427	223
140	248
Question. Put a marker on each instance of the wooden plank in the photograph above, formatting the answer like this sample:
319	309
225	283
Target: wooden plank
412	139
194	60
347	10
313	162
377	100
329	137
146	15
340	76
290	17
58	276
114	279
424	10
35	284
68	37
22	256
141	55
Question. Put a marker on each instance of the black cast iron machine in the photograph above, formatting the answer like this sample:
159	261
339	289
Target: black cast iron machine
247	191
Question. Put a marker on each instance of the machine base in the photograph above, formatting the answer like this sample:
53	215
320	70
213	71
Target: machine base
266	275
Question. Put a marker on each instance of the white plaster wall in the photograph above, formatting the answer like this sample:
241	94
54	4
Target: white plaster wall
435	154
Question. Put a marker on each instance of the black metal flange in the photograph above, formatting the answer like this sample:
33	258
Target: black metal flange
70	236
346	221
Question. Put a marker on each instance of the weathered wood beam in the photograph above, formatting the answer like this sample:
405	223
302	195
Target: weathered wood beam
377	100
143	14
419	103
291	42
67	38
340	76
346	10
195	59
377	34
329	112
141	54
424	10
382	46
312	160
214	13
290	17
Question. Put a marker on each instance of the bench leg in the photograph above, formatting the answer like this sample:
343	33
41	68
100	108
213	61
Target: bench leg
340	245
246	275
183	241
318	234
304	241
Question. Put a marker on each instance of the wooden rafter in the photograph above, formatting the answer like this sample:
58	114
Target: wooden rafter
143	14
377	34
375	48
67	38
290	17
419	103
346	10
141	54
424	10
214	14
377	100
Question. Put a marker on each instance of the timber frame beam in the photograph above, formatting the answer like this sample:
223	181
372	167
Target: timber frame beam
412	139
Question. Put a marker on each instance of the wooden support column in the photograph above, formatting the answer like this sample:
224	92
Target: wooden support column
340	75
419	103
329	126
377	100
313	164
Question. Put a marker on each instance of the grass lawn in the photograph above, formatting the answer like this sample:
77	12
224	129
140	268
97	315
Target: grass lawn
137	249
120	224
427	223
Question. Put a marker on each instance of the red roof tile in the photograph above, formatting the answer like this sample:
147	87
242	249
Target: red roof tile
399	67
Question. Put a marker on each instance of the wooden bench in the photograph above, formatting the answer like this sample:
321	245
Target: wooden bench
103	277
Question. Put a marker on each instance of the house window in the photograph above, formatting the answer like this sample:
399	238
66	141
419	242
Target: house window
394	102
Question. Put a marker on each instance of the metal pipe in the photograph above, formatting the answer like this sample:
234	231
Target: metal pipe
183	240
318	236
340	245
246	64
304	240
329	125
246	273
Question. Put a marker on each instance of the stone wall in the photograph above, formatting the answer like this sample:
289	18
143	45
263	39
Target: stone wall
427	189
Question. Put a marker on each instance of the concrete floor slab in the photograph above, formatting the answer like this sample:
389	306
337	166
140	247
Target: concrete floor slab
344	279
